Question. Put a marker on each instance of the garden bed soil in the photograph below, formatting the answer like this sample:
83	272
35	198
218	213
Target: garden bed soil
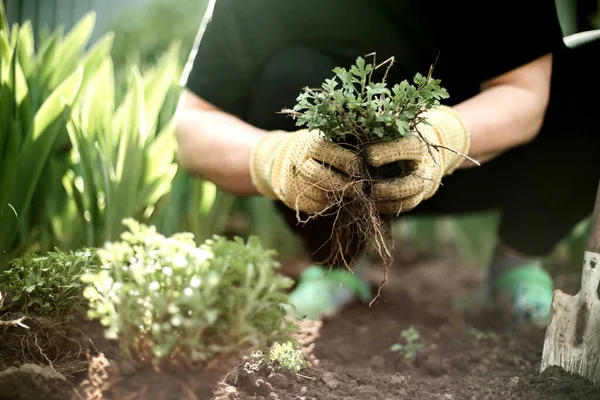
463	357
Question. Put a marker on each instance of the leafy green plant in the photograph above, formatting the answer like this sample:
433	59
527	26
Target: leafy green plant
352	108
412	344
287	355
123	162
171	301
36	88
50	284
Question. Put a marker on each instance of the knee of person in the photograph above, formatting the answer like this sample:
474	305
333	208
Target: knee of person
281	80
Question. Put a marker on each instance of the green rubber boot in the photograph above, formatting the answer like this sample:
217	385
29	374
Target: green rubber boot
527	293
321	292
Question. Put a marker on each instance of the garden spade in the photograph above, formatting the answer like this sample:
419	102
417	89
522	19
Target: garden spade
573	334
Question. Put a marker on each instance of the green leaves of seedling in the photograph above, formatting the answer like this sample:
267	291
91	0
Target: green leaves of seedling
352	107
288	355
411	346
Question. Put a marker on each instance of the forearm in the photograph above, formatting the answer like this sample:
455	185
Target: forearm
509	111
500	118
217	146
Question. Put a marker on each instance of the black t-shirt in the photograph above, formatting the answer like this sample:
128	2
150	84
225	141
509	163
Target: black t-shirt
471	40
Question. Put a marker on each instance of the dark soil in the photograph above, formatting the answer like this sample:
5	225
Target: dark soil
462	358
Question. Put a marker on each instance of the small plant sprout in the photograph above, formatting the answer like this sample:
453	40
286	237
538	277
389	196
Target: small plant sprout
50	285
171	303
288	355
355	110
412	345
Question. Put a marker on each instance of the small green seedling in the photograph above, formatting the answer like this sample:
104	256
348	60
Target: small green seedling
288	355
171	303
50	285
412	345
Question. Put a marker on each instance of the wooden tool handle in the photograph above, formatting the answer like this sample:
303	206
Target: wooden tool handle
594	240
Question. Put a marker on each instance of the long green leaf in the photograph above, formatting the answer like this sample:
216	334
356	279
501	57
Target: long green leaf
157	84
131	164
52	108
3	21
48	58
104	165
5	55
96	56
9	171
26	48
97	105
84	145
72	46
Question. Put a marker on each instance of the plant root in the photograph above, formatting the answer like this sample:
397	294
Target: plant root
45	342
358	226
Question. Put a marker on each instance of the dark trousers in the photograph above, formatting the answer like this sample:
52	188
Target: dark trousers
542	189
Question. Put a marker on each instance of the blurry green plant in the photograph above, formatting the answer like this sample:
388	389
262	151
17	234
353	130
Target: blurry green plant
50	284
123	161
412	344
265	221
194	205
473	236
170	301
36	88
570	251
288	355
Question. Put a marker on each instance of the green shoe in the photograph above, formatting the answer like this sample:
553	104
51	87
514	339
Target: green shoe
322	292
527	293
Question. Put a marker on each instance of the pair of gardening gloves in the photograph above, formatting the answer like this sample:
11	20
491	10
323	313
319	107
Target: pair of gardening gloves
309	173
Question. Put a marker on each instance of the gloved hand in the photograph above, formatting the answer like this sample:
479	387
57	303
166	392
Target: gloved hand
401	194
303	170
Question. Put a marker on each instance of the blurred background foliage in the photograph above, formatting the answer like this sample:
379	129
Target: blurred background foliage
145	33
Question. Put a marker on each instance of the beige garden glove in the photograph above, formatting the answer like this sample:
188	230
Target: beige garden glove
296	168
397	195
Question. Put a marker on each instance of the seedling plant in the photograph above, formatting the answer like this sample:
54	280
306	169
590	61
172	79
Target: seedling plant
412	344
354	110
177	306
